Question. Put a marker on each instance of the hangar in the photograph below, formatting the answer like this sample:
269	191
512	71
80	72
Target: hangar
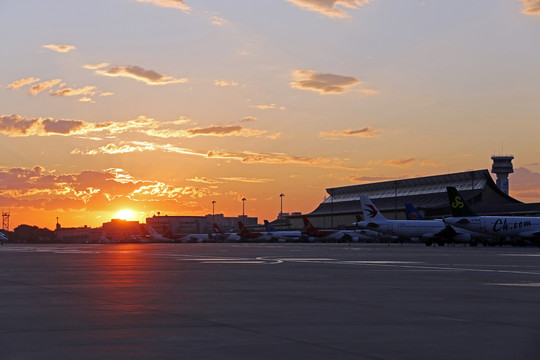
428	194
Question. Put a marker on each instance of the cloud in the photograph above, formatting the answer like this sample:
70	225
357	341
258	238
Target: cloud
334	135
87	90
268	107
176	4
531	7
328	7
20	83
95	67
59	48
274	136
38	188
223	83
429	163
247	180
401	162
16	125
323	83
218	20
205	180
363	178
216	130
248	119
247	157
42	86
149	77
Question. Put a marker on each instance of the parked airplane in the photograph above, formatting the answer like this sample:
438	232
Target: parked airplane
155	236
281	236
313	234
414	214
221	236
499	227
3	238
247	235
428	230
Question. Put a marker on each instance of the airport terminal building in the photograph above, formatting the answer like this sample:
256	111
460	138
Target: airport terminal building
428	194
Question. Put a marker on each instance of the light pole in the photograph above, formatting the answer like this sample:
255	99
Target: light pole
243	216
281	211
213	204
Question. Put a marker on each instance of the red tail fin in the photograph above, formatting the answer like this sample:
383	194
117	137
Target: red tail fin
243	230
217	229
308	227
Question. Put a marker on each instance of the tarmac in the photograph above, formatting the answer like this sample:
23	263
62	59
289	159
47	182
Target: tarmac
268	301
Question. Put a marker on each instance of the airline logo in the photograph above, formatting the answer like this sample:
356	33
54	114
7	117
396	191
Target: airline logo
415	215
371	211
458	203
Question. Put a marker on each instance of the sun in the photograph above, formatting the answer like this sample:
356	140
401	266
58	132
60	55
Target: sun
125	214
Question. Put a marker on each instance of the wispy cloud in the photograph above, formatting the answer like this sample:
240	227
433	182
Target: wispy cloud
224	83
149	77
176	4
97	66
42	86
334	135
531	7
204	180
218	20
247	180
16	125
23	82
216	130
363	178
86	90
59	48
329	7
248	119
268	107
244	157
401	162
323	83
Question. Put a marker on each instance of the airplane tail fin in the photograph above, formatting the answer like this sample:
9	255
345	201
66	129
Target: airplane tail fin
243	229
459	207
371	213
412	213
268	226
217	229
308	227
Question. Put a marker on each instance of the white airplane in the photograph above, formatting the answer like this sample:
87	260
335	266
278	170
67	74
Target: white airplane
155	236
313	234
499	227
428	230
3	238
221	236
281	236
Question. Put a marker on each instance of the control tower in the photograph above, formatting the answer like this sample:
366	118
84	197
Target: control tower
502	166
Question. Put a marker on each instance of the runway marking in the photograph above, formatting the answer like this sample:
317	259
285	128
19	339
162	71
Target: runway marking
534	255
516	284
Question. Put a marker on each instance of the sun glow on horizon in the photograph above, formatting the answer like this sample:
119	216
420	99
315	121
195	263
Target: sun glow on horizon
125	214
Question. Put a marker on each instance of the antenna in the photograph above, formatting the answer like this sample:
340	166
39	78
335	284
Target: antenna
5	220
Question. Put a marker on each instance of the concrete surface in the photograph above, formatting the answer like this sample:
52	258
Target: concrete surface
268	301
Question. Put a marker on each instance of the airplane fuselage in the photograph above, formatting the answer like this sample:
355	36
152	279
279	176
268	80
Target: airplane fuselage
406	228
499	226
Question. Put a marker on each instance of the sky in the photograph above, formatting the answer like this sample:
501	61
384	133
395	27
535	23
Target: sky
168	105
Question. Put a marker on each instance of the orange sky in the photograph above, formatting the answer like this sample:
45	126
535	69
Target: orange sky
181	103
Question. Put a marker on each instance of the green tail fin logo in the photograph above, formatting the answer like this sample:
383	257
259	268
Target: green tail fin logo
458	205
